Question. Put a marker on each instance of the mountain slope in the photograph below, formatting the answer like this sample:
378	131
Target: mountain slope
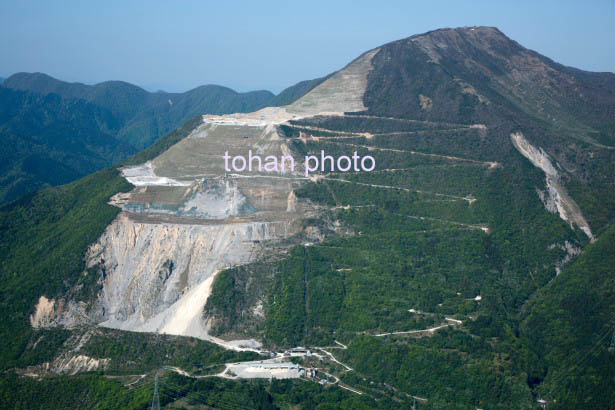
51	140
450	274
480	64
62	221
569	326
440	107
479	75
161	117
122	99
294	92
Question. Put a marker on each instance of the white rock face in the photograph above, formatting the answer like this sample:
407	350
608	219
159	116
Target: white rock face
342	92
67	363
571	250
144	175
557	199
43	311
159	276
204	199
79	363
70	361
537	157
216	200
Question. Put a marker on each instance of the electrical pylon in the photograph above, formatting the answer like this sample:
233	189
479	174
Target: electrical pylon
612	346
156	398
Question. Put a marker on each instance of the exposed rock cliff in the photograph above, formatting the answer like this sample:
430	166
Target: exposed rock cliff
158	276
556	198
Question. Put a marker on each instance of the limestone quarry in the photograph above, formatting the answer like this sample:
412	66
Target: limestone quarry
187	219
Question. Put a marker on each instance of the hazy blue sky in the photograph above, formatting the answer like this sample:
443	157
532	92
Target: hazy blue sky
177	45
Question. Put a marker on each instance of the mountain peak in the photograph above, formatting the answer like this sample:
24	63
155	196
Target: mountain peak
465	30
442	42
27	81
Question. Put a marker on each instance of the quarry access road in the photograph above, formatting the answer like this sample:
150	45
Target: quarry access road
453	322
469	199
491	164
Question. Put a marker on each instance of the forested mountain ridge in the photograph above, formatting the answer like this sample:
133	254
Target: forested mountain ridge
458	273
52	140
478	75
144	116
54	132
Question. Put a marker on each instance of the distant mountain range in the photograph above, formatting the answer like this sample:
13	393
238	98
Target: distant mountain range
143	116
48	139
53	132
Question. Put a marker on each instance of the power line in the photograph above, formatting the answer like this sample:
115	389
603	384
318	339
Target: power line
177	391
595	348
156	397
612	346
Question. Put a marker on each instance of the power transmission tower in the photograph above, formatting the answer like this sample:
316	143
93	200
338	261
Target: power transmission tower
156	398
612	346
